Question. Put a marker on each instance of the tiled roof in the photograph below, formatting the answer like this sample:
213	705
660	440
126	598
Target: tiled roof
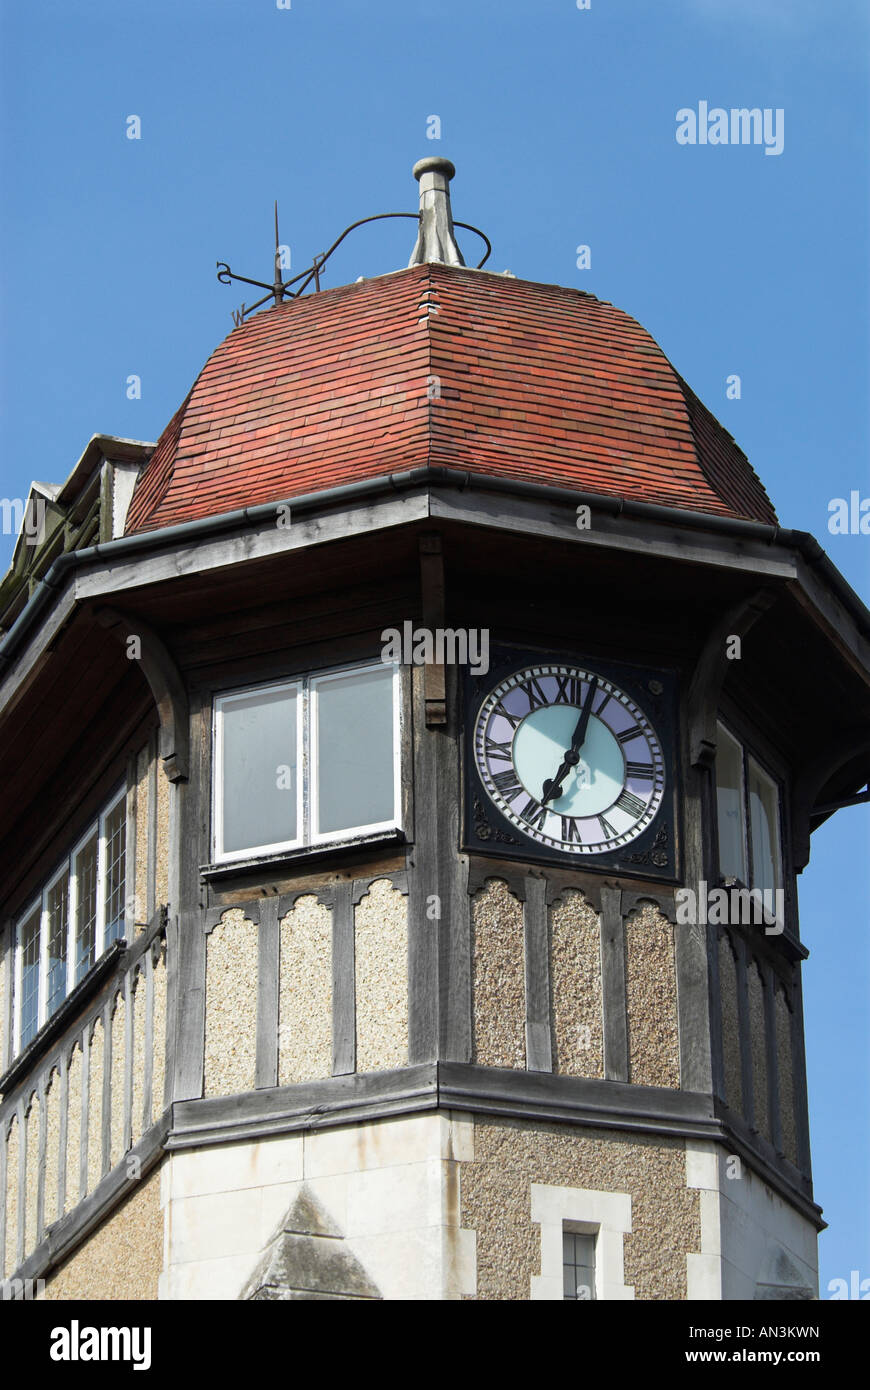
442	366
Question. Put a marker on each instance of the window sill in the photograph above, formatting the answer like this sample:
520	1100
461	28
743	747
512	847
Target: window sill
792	942
307	854
60	1019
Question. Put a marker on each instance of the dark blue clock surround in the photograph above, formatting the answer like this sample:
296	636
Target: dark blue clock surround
655	853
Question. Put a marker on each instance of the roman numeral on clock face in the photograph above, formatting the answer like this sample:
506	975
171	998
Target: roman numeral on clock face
628	734
513	719
507	784
534	814
607	829
568	690
644	770
534	694
498	750
570	831
627	801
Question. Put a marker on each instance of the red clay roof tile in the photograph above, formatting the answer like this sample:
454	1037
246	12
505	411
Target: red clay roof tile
536	382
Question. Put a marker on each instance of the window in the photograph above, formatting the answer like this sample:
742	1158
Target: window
747	805
80	911
306	762
578	1265
582	1243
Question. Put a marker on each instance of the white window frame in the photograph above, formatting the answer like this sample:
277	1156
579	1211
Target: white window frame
226	697
374	828
606	1214
40	902
747	758
306	751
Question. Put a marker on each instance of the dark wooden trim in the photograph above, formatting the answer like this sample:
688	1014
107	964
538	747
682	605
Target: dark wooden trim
457	1036
112	963
747	1085
151	863
430	879
186	946
166	684
536	939
268	986
799	1076
7	954
291	860
613	990
710	671
343	981
768	980
344	1099
190	1020
65	1234
434	618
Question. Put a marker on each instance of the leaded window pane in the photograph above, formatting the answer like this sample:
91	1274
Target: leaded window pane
85	925
28	1004
57	924
115	826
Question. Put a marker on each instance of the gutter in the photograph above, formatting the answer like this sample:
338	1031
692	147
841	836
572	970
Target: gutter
146	541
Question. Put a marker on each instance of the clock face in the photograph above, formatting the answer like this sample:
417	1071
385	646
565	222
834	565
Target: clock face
569	759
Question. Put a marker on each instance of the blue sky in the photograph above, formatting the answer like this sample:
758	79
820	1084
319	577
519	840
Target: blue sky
562	125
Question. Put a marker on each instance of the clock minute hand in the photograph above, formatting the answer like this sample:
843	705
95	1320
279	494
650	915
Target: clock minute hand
583	722
571	759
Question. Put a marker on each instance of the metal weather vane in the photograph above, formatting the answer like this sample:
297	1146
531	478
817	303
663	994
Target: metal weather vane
293	288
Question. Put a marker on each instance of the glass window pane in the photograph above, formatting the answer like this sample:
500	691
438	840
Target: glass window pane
764	827
578	1266
57	903
354	737
729	805
114	829
28	1004
85	925
260	769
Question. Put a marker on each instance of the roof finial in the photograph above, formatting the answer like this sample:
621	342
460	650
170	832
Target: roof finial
435	240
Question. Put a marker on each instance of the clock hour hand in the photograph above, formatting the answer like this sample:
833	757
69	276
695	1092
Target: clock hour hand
553	787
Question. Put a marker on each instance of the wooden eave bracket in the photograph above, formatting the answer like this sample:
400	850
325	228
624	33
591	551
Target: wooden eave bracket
433	606
709	675
167	688
850	746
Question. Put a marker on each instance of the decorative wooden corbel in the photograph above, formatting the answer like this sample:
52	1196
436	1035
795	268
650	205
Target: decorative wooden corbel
710	672
850	746
167	688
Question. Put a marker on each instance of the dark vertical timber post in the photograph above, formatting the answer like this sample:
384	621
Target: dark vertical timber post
745	1027
268	951
772	1059
799	1075
428	899
695	945
613	992
539	1043
343	981
186	945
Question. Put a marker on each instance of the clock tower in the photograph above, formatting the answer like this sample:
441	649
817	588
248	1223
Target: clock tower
422	920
